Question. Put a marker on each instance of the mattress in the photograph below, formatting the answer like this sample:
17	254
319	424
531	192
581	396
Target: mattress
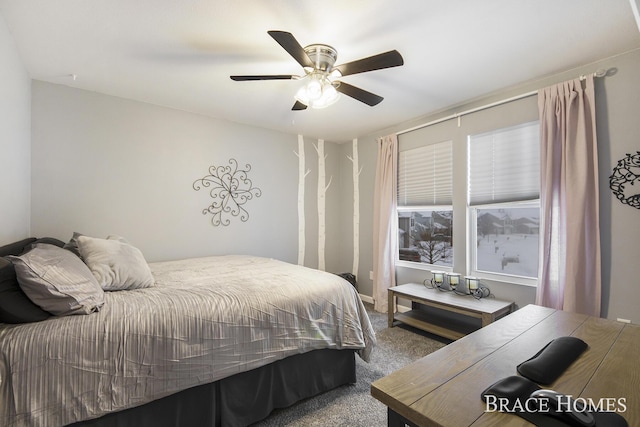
205	319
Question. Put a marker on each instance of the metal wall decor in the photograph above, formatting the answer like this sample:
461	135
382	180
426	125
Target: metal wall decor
625	175
230	190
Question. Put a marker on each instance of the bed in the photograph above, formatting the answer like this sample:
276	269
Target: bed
211	341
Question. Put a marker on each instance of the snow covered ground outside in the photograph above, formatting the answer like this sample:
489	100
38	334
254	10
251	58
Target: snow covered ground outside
512	250
496	251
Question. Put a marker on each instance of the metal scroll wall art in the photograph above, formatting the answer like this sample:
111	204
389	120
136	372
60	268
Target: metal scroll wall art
230	190
622	182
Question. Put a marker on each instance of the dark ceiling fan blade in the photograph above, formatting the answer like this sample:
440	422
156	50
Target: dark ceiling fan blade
371	63
298	106
359	94
291	45
267	77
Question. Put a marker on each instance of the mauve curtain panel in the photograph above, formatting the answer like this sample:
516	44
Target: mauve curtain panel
385	221
570	270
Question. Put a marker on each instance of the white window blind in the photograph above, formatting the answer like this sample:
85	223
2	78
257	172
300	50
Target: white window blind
425	175
504	165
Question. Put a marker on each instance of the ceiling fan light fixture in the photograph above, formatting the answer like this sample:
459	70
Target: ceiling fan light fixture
317	92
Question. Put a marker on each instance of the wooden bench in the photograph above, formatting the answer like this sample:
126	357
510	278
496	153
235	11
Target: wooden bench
486	309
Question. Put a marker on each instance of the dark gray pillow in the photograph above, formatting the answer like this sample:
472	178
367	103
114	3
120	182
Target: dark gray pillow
15	307
48	240
25	245
57	281
16	248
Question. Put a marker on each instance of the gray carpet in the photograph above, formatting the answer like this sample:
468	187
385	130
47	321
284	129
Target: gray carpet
352	405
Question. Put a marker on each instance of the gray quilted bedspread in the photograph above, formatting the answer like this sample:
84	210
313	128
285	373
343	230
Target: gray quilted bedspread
205	319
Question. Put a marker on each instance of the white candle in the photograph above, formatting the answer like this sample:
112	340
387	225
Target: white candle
472	283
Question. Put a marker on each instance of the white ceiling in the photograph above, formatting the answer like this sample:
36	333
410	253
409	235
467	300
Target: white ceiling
180	54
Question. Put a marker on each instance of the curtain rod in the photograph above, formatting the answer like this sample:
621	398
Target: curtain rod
599	73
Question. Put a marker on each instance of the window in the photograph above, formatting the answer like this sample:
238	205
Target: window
477	190
503	202
425	220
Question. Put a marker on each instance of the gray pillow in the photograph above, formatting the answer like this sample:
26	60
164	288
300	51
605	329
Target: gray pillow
116	264
57	281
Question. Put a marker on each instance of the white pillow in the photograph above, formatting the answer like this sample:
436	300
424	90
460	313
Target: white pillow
115	264
57	280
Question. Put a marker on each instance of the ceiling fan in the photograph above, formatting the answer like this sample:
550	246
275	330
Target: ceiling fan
322	87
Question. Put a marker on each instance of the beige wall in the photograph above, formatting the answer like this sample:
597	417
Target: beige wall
15	116
105	165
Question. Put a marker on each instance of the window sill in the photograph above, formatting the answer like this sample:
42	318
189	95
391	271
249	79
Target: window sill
505	279
485	278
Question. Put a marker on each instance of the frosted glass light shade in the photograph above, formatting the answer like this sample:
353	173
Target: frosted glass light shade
318	92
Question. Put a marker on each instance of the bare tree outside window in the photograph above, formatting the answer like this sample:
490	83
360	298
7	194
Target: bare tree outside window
426	237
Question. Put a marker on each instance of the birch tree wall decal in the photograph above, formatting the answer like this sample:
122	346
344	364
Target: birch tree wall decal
322	190
230	190
356	207
302	174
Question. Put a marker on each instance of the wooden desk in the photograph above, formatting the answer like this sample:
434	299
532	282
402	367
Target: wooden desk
443	388
485	309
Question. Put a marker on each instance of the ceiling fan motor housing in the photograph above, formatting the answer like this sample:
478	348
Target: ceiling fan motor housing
322	55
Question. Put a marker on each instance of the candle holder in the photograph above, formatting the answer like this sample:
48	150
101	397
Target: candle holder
438	279
454	280
469	286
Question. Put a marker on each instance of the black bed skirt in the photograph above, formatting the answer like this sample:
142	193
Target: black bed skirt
244	398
